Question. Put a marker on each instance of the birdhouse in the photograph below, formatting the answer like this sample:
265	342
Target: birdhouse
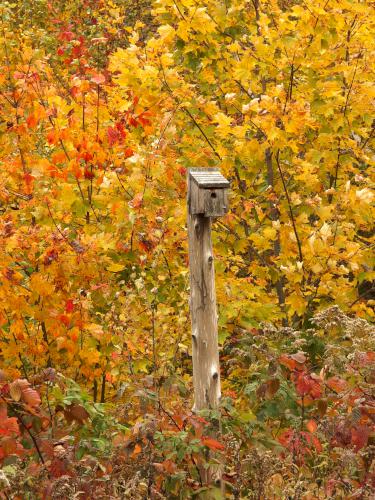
208	193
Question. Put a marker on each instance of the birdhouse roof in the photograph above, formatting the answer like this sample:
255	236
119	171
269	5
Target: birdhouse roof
207	178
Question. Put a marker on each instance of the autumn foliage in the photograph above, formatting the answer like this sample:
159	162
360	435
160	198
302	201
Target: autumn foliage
103	108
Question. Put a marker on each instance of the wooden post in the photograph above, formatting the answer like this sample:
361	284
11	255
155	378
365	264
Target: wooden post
207	198
206	371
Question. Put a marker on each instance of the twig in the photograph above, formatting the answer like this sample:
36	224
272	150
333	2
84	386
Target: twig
290	206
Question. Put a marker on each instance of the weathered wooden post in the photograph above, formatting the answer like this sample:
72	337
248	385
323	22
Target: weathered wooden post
207	198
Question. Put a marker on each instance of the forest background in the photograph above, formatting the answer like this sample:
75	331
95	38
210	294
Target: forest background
104	107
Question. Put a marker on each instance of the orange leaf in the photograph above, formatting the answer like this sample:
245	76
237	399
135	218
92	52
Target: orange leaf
311	426
137	450
337	384
285	360
212	444
128	152
32	121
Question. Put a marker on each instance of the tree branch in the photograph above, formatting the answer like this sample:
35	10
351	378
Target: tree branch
289	206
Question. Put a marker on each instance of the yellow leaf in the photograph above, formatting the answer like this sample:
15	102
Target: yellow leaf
115	268
40	285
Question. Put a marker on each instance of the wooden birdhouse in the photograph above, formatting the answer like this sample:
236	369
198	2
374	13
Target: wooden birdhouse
208	192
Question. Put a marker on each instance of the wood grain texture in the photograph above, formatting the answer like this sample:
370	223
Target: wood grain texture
206	370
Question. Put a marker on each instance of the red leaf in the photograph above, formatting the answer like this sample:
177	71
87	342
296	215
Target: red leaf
31	397
112	136
317	444
306	385
29	179
88	174
66	35
359	436
116	134
143	120
69	306
9	446
128	152
58	468
133	122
